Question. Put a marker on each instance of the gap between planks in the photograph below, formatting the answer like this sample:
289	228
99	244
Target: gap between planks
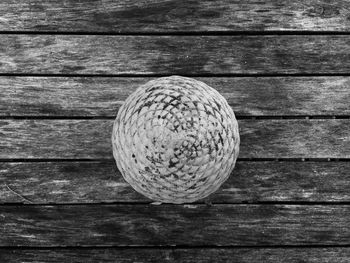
184	205
43	160
194	75
239	117
182	33
102	247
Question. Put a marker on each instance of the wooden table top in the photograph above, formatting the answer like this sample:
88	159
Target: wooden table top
67	66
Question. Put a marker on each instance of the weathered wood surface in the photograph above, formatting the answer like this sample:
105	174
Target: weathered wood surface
94	182
237	255
71	139
101	54
173	15
102	96
195	225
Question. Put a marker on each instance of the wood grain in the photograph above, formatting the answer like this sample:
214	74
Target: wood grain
92	138
141	225
186	55
95	182
102	96
121	56
237	255
173	15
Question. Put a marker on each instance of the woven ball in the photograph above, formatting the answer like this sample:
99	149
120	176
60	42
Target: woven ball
175	140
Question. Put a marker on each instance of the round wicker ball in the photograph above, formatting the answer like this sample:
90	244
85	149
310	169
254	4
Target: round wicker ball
175	140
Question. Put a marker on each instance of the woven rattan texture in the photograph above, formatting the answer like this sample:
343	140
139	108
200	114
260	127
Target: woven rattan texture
175	140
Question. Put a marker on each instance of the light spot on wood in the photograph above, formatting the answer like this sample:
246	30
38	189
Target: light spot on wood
117	184
190	206
28	236
60	181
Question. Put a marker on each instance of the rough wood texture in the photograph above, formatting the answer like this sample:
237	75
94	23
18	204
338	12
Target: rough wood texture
173	15
236	255
92	182
92	138
166	37
225	225
96	54
102	96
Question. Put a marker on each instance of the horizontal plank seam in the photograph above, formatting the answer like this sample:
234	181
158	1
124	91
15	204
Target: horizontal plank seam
173	247
33	160
150	203
178	33
156	75
294	159
239	117
42	160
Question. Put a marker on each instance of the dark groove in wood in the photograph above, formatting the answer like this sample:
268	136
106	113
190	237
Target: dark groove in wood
158	75
290	117
58	117
175	247
330	203
182	33
239	117
135	203
29	160
294	159
40	160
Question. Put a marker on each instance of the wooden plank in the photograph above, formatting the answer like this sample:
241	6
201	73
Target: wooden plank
237	255
71	139
173	15
101	54
195	225
102	96
94	182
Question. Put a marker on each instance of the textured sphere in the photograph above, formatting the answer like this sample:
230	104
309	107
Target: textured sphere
175	140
